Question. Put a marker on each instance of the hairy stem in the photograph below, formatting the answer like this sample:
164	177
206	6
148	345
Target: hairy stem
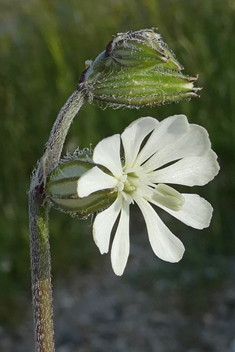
41	271
39	232
60	129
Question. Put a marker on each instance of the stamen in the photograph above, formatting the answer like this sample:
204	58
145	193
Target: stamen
120	186
128	187
168	197
125	186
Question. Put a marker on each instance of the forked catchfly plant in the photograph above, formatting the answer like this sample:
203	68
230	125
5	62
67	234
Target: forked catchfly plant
136	69
175	152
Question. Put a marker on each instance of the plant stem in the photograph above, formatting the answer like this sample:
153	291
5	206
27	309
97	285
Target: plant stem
41	271
60	128
39	232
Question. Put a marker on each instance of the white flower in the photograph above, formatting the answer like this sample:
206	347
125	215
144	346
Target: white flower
185	152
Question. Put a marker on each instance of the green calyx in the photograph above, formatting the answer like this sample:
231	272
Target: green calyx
137	69
61	188
143	48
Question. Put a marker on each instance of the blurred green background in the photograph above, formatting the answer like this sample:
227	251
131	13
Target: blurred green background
43	48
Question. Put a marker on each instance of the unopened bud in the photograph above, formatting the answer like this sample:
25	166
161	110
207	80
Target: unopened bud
137	69
142	48
61	188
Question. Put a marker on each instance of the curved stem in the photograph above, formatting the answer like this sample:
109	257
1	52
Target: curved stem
60	128
39	232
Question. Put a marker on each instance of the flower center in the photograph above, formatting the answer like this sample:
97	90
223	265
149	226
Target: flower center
126	185
129	186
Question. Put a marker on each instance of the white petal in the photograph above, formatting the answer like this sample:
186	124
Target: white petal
134	135
107	153
196	211
103	225
190	171
164	244
167	132
94	180
121	243
194	143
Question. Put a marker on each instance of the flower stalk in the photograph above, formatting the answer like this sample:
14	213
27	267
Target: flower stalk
60	128
41	271
39	232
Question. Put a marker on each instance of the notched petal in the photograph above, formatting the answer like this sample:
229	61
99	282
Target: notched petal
94	180
121	243
103	225
133	136
107	153
164	244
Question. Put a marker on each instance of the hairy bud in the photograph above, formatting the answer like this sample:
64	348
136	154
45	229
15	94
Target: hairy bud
61	188
137	69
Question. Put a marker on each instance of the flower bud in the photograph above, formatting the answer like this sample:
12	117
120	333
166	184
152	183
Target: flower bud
142	48
61	188
137	69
